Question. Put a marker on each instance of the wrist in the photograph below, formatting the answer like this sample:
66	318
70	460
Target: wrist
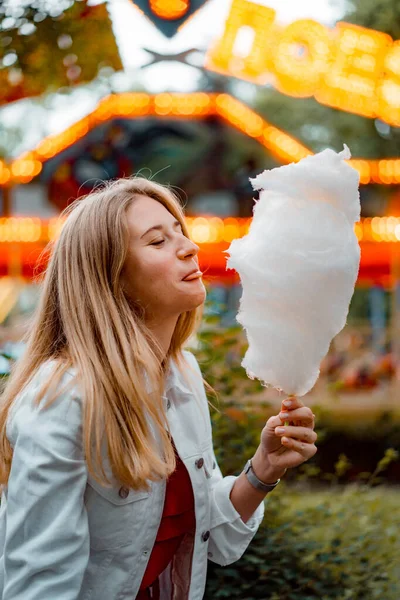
263	470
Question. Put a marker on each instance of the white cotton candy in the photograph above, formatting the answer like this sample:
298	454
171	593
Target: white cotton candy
298	266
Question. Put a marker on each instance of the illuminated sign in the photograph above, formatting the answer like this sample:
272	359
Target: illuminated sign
349	67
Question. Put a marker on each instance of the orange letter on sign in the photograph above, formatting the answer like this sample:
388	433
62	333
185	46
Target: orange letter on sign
300	57
244	15
351	80
389	88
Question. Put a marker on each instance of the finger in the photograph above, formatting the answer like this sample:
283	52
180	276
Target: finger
304	434
291	403
274	422
306	450
304	414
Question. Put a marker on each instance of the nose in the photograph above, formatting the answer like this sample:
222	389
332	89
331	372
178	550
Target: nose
188	249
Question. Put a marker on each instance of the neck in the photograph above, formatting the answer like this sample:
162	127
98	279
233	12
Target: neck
163	332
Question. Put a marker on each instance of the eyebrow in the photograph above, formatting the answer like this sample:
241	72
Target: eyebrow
158	227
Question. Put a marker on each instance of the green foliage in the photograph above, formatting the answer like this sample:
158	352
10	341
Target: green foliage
391	455
340	544
45	46
319	539
383	15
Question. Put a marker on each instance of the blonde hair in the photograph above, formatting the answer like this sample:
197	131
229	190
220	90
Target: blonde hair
86	321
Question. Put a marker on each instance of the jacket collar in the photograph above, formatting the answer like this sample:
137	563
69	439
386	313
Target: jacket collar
173	380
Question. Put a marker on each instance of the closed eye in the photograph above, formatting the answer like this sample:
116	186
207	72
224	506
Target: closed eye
157	243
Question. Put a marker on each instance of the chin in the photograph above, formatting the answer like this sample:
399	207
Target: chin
194	302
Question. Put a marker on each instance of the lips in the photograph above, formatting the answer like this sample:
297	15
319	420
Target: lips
193	275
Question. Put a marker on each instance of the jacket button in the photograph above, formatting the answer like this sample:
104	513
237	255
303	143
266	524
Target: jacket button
123	492
199	463
205	536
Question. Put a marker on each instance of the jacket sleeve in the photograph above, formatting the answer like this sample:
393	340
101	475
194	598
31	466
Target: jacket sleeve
229	534
46	546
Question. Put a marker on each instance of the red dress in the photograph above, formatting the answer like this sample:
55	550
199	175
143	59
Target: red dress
177	519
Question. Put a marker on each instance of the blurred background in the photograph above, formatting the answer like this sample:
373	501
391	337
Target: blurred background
202	95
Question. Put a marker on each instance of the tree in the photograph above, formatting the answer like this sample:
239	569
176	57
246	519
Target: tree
383	15
46	45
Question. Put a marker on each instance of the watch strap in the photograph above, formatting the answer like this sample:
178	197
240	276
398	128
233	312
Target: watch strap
255	482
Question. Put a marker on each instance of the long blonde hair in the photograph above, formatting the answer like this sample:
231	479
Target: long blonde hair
86	321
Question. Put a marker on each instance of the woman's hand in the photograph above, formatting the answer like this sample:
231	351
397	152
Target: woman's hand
283	447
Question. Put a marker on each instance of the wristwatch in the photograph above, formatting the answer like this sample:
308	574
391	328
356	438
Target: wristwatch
255	482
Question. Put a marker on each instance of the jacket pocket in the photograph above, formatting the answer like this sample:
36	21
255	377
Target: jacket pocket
115	514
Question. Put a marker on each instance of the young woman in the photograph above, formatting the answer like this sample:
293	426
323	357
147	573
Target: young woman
111	490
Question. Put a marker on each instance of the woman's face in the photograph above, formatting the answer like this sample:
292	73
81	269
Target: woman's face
158	260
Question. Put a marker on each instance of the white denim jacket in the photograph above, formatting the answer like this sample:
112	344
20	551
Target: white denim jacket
65	537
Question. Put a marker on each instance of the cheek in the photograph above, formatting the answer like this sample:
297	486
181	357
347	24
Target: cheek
155	274
160	269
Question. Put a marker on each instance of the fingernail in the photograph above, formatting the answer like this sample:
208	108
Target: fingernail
280	430
287	403
284	415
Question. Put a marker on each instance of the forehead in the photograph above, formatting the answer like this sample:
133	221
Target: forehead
145	212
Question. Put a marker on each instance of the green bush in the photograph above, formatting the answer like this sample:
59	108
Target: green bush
341	544
320	539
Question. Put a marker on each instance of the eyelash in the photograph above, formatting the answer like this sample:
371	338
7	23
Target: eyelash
159	242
